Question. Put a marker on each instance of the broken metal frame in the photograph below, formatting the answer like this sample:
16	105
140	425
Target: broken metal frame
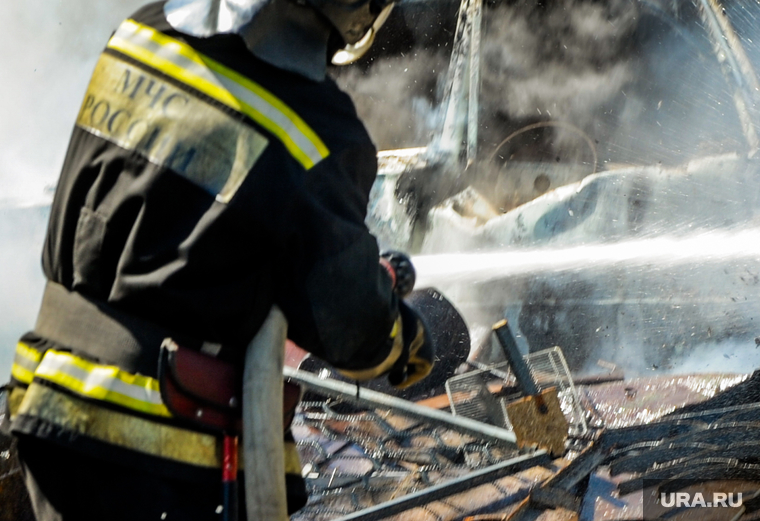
444	490
460	105
557	491
460	101
453	147
365	397
737	70
459	108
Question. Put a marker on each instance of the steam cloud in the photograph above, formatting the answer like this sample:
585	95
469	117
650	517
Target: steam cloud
638	80
48	52
644	86
397	97
565	62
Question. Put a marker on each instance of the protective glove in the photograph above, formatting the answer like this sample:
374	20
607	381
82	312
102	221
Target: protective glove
418	355
401	270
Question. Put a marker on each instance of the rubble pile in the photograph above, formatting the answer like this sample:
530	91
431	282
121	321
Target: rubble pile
376	464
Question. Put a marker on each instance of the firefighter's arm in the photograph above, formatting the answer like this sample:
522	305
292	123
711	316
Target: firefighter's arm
411	356
339	300
410	336
366	330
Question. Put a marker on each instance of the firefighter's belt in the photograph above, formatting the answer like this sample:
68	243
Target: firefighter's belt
73	321
120	429
127	431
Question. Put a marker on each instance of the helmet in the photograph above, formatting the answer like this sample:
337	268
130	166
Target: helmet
357	23
270	27
205	18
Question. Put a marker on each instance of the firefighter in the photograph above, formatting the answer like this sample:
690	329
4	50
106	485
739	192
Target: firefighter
214	171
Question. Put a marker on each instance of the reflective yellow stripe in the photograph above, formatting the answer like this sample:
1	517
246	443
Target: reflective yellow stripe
182	62
28	352
102	382
25	362
385	365
128	431
22	374
118	428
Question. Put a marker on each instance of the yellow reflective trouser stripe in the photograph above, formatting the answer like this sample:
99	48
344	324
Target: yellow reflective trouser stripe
385	365
102	382
25	362
120	429
127	431
180	61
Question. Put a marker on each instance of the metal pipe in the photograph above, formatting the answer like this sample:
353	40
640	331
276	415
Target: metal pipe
520	368
474	86
366	397
455	486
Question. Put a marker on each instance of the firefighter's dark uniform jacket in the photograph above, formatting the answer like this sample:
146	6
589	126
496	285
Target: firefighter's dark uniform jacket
201	186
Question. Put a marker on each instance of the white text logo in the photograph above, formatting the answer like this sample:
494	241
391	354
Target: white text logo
684	499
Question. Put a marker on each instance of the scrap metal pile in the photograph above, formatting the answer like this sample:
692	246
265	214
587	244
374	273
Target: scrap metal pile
371	464
372	458
512	453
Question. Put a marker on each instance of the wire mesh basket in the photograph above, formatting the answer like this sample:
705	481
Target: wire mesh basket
482	394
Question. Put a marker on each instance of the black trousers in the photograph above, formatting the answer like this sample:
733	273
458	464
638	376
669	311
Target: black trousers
68	485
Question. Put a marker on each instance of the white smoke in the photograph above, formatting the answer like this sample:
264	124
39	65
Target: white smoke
564	61
47	53
397	97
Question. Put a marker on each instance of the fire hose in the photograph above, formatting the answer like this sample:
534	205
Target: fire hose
263	447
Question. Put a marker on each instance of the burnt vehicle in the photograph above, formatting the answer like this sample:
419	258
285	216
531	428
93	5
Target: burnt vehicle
587	170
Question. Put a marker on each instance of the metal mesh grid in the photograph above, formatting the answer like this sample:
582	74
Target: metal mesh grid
360	458
470	396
